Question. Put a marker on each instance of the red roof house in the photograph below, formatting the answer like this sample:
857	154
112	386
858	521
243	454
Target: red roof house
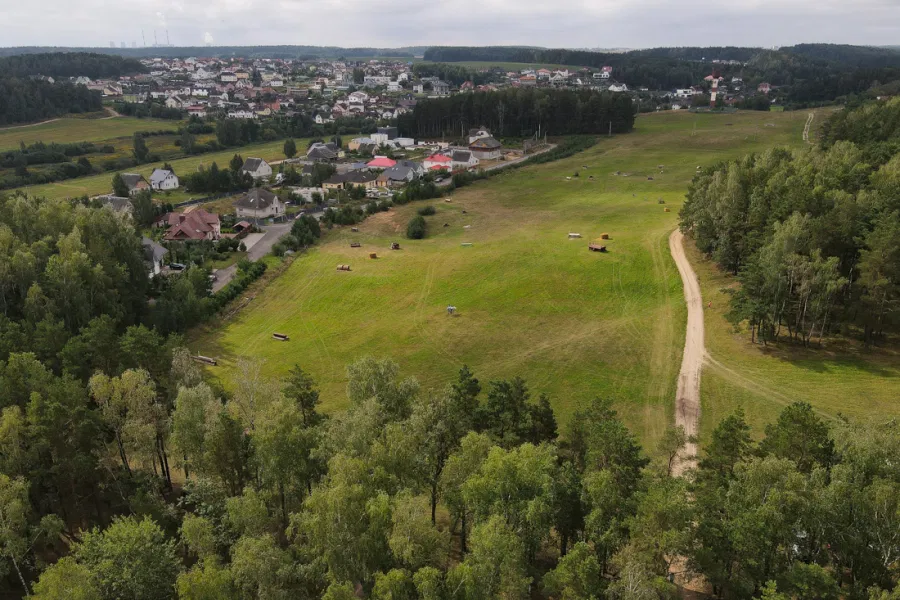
195	225
381	162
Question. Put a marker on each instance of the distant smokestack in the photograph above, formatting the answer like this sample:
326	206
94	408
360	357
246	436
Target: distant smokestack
167	38
143	39
155	43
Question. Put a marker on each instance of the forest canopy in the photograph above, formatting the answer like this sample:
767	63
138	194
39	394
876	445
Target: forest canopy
813	235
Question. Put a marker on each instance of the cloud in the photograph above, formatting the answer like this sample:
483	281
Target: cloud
208	38
394	23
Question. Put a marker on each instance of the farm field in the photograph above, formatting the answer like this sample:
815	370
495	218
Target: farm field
70	130
573	323
100	184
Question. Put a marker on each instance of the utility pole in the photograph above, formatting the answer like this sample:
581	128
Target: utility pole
610	129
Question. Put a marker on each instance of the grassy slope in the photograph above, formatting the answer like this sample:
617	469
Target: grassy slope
575	324
69	130
100	184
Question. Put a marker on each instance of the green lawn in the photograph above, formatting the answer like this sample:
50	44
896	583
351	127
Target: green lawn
100	184
69	130
531	302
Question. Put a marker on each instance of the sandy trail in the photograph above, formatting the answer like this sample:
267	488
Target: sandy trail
687	401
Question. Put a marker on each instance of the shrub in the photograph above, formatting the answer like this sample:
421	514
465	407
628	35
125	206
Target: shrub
427	211
416	228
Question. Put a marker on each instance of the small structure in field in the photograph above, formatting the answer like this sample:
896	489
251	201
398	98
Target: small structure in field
466	244
450	309
281	337
573	236
666	209
447	200
373	255
355	244
395	246
604	236
205	360
660	201
343	267
596	248
354	229
649	179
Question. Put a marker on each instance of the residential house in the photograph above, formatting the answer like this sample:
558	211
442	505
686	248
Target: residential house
486	148
241	114
355	143
135	183
174	102
349	179
154	256
257	204
476	134
440	88
462	160
764	88
381	162
115	203
391	132
163	179
618	87
322	152
227	77
394	86
417	168
395	176
192	226
436	162
256	168
528	80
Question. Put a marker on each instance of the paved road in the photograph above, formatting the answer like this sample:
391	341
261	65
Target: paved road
687	395
273	233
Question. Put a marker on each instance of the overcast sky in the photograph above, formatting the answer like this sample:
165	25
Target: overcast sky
393	23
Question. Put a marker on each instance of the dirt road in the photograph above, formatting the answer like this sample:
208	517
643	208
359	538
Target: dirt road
806	127
687	399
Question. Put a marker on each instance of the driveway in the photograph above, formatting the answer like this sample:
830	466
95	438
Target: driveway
261	247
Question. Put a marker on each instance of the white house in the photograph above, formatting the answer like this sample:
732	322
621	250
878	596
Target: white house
256	168
163	179
258	204
618	87
394	86
174	102
241	114
462	159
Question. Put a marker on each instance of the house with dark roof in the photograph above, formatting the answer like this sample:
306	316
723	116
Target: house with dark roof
258	204
485	148
135	183
116	203
462	159
154	255
321	153
351	178
395	176
257	168
192	226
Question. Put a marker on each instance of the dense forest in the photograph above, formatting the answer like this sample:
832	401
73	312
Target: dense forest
24	100
72	64
813	235
521	112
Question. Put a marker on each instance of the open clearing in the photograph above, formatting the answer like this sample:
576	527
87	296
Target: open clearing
72	129
573	323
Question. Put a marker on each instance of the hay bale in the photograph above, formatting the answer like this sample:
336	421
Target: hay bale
373	255
667	209
354	229
604	236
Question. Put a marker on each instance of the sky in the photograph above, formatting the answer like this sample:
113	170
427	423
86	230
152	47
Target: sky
395	23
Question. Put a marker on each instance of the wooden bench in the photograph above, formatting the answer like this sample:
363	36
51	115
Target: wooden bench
281	337
205	360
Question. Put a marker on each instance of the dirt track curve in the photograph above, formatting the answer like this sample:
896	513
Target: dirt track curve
687	399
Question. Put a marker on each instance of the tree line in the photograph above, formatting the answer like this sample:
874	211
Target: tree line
813	235
23	100
466	492
809	73
518	112
69	64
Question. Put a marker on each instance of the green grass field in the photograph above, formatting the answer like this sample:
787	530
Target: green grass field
531	302
839	377
69	130
101	184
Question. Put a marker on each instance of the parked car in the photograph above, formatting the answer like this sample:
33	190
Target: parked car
176	267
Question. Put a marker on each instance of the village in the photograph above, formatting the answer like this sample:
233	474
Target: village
377	89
